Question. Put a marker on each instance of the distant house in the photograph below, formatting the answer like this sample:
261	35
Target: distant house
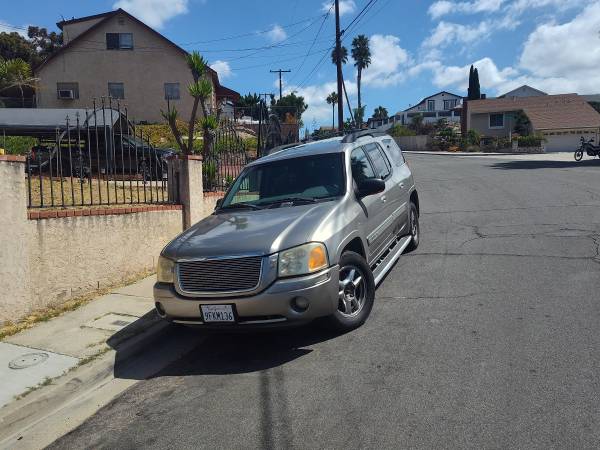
114	54
560	119
443	105
523	91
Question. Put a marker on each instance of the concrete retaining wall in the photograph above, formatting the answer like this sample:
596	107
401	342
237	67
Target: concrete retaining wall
413	143
47	260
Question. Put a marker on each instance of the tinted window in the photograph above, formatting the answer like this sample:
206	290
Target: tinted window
112	41
380	162
496	120
394	151
361	166
116	90
171	91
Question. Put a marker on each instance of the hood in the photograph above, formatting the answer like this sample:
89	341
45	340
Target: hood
251	232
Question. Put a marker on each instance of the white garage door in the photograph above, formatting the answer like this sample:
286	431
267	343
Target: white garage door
564	142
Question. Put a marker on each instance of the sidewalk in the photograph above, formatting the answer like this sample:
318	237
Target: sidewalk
60	372
558	156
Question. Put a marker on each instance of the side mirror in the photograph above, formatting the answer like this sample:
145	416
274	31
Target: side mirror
219	203
370	186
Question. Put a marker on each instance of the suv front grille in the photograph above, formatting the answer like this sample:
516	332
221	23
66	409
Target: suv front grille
220	275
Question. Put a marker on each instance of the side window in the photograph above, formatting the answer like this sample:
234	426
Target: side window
394	151
380	161
361	166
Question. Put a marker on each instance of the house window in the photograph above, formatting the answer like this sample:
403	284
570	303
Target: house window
497	120
171	91
67	91
119	41
430	105
116	90
449	104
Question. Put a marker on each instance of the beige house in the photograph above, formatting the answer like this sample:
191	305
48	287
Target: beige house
114	54
560	119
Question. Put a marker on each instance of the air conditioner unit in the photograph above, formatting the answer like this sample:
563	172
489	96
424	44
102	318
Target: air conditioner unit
66	93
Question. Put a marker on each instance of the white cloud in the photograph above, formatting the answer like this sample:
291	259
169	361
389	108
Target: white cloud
277	34
153	12
346	7
443	7
315	97
222	68
5	27
387	61
446	33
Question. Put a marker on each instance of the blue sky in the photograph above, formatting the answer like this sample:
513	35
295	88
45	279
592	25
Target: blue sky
419	47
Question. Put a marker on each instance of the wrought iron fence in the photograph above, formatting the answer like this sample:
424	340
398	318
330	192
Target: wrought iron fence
96	157
225	160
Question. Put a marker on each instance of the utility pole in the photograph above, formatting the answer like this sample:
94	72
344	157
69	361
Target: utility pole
340	77
260	122
279	71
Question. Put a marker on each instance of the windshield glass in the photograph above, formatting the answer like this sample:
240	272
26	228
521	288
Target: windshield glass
307	178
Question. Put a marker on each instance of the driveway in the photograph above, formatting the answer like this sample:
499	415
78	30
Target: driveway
485	337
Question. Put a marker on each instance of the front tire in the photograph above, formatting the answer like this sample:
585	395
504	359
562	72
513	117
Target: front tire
414	229
578	155
356	293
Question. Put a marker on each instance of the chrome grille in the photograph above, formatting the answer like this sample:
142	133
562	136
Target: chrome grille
219	275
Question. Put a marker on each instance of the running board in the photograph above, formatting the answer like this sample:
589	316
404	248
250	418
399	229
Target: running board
383	266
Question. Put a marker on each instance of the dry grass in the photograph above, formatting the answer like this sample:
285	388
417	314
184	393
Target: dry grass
45	314
73	192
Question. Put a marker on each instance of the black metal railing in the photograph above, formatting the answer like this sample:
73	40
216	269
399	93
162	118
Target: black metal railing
97	157
226	158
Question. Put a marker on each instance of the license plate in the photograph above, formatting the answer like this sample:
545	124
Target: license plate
217	313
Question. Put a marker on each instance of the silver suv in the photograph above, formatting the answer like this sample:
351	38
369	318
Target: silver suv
304	233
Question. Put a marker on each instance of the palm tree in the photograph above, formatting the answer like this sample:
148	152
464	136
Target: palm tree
380	113
332	100
344	53
362	59
16	73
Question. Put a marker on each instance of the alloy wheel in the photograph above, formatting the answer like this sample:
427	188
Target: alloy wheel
352	291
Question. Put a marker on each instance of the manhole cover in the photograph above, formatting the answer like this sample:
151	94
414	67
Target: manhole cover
28	360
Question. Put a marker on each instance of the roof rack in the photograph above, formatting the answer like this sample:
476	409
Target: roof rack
352	137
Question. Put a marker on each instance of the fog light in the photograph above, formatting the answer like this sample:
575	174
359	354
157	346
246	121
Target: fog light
160	310
300	304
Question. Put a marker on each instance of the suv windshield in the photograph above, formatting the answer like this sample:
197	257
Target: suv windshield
294	180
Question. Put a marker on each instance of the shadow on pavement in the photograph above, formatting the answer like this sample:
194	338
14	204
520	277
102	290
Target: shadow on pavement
512	165
201	352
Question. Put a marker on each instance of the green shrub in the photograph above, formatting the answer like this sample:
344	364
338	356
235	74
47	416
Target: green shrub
399	130
530	141
17	145
473	137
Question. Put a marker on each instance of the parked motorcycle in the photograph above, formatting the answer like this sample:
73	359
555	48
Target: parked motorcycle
588	147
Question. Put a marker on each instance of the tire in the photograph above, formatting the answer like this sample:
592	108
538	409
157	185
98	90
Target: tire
414	228
578	155
357	293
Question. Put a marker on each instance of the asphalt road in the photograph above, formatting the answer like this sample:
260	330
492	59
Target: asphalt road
486	337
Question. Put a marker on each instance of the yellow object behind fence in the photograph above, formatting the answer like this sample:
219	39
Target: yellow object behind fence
1	151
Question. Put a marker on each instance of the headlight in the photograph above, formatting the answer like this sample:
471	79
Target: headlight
164	270
302	260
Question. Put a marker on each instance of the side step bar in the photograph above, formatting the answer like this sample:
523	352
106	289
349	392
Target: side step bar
384	265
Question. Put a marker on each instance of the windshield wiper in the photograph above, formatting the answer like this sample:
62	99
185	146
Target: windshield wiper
240	205
291	200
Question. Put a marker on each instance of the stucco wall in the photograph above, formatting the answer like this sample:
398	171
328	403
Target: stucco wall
143	71
413	143
47	261
480	123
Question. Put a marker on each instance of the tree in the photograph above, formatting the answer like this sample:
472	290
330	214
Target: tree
343	52
474	91
290	104
15	46
201	90
359	114
16	73
522	124
380	113
361	53
332	99
43	42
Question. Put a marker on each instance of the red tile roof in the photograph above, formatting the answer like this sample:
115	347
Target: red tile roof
547	112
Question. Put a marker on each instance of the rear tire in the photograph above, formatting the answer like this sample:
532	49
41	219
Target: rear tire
356	293
414	229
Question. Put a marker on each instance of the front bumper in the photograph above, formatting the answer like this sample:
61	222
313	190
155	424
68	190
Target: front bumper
272	307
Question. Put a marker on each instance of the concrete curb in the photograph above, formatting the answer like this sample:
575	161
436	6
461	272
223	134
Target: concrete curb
52	411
